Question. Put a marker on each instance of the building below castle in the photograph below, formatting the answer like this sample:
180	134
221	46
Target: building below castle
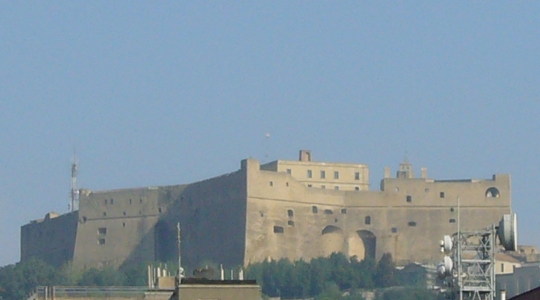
283	209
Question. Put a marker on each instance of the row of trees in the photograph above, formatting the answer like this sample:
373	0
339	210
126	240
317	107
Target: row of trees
19	280
333	277
307	279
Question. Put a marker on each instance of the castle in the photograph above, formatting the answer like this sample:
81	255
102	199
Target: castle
283	209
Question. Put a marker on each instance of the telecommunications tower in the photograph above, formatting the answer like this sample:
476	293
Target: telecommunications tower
468	267
74	205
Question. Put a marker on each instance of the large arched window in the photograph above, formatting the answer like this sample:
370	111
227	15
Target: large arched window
492	192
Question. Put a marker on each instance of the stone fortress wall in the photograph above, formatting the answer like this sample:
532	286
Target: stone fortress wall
282	209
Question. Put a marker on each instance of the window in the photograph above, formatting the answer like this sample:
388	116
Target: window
289	171
105	201
452	221
112	201
502	267
124	213
367	220
159	209
309	185
343	210
278	229
309	174
412	224
426	190
271	183
336	175
451	209
129	201
492	193
323	187
290	213
314	209
328	212
394	230
409	198
286	183
101	241
356	188
102	231
336	187
262	214
357	176
441	194
140	200
104	213
124	224
323	174
290	223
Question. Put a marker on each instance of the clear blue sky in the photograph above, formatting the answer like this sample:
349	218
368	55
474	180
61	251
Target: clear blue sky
173	92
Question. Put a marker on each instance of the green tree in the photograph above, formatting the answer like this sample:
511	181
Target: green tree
104	277
385	273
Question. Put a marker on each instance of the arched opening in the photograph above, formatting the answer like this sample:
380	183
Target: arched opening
332	240
362	244
492	192
165	243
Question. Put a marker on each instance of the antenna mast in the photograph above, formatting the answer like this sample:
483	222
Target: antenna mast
74	190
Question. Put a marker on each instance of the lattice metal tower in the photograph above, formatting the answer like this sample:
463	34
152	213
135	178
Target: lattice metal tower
74	190
470	273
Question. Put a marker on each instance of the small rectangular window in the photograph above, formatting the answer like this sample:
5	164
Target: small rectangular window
271	183
343	210
394	229
102	231
357	176
309	185
336	175
323	174
290	213
412	224
314	209
356	188
309	173
336	187
289	171
101	241
323	187
290	223
452	221
367	220
409	198
441	194
278	229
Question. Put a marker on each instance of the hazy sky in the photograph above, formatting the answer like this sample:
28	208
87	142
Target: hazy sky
173	92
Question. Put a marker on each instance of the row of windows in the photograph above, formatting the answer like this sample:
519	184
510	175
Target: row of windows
125	214
490	193
336	187
111	201
314	209
322	174
280	229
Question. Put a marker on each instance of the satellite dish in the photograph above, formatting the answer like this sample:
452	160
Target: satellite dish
441	271
448	265
445	267
507	232
447	244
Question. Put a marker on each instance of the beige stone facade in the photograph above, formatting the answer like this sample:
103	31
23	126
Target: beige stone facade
268	212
